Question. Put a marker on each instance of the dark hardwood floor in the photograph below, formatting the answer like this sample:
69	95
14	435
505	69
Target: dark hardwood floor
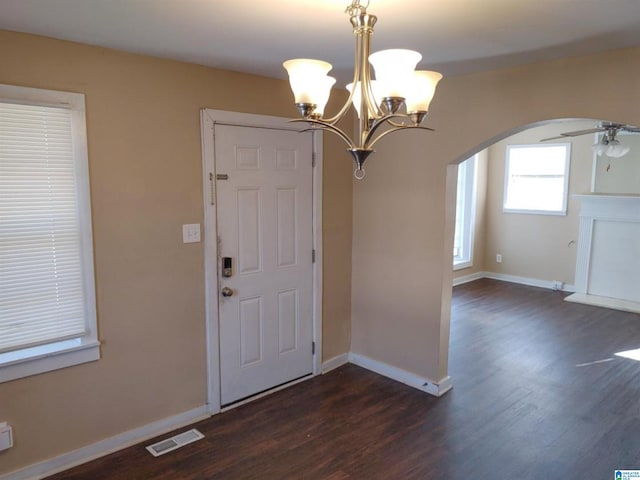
524	406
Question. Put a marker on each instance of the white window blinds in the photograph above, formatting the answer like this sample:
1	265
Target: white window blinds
42	296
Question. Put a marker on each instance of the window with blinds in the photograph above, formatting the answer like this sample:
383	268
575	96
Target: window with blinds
45	292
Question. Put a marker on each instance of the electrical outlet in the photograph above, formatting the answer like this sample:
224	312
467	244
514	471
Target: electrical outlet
499	258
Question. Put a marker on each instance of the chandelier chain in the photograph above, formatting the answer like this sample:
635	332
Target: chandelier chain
356	9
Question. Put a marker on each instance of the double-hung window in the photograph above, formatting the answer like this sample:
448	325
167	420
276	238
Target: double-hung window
47	293
537	178
465	214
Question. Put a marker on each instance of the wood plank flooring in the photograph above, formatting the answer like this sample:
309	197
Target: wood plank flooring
521	408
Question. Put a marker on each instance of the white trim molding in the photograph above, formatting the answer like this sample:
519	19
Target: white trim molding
317	246
107	446
50	357
335	362
437	389
52	350
541	210
532	282
209	118
472	277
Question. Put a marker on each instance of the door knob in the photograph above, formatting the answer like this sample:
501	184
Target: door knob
226	291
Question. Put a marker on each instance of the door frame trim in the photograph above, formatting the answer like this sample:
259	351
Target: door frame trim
208	120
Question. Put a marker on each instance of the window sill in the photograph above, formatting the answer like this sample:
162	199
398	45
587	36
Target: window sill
561	213
45	358
460	265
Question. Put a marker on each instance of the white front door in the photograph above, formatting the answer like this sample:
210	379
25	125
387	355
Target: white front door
265	218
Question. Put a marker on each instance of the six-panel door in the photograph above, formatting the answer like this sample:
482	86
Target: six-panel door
265	219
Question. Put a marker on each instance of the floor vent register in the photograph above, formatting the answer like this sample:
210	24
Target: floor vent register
175	442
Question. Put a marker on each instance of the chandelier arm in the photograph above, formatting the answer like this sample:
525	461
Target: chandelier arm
396	129
379	122
395	124
375	108
328	127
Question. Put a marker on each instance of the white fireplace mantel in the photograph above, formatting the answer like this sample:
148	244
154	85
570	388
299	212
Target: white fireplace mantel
608	260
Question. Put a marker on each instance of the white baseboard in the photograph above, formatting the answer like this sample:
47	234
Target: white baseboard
335	362
107	446
532	282
436	389
468	278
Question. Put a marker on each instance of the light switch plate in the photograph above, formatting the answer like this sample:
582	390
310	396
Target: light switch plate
191	233
6	436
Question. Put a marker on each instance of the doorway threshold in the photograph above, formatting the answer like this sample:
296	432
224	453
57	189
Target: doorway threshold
264	393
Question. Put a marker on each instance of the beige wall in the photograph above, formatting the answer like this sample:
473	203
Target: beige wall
145	167
401	251
540	247
480	232
336	229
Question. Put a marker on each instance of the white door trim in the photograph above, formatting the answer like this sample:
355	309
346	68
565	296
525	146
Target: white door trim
208	119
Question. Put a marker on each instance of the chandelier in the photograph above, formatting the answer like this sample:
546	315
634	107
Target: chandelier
398	98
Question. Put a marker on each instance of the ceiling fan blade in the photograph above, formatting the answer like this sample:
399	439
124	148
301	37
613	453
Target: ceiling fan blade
553	138
583	132
575	134
631	129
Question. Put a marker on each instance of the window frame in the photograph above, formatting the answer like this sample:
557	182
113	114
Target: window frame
469	216
65	353
567	172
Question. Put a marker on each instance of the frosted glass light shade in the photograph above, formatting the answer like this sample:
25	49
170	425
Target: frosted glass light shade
308	79
394	70
600	148
357	96
616	150
324	91
423	88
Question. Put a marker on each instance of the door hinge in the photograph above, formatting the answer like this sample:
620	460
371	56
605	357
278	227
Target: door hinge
313	160
313	348
212	188
313	256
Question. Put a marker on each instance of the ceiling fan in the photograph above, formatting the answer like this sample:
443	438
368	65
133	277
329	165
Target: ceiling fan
608	145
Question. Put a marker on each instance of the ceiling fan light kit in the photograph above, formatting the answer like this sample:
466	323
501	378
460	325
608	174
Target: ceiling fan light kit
610	148
609	144
399	98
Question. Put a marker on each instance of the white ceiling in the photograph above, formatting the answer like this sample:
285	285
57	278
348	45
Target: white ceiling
256	36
